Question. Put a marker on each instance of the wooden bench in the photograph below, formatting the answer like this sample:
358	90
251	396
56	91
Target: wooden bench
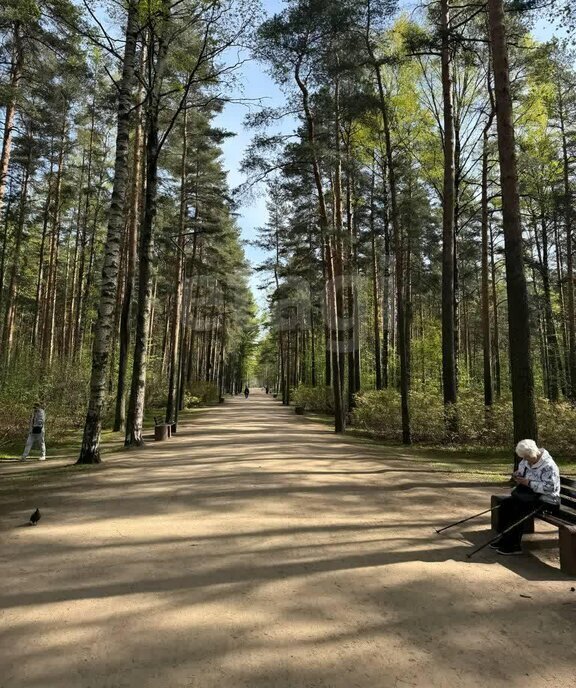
565	521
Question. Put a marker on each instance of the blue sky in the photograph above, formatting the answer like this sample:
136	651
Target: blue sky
254	83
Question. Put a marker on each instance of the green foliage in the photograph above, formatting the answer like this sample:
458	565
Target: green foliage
63	391
557	423
197	394
156	393
191	401
205	392
320	399
379	414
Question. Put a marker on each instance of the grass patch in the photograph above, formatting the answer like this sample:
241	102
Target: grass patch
67	446
493	463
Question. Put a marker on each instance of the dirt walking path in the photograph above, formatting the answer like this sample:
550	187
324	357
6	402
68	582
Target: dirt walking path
258	549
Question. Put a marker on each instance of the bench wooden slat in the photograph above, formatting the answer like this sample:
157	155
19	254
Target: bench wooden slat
568	513
568	501
569	483
562	519
552	520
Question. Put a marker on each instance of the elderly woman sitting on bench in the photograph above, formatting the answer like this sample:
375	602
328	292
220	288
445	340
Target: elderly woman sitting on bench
537	483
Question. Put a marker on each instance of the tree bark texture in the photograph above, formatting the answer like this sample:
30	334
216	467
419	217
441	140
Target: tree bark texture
135	416
14	87
524	409
448	206
90	450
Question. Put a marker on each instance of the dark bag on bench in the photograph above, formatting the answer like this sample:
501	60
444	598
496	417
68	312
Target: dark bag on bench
525	494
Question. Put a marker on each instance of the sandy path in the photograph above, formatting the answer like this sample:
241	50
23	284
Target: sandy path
258	549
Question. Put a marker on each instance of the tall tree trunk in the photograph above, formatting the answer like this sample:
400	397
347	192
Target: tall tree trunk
399	258
135	417
485	307
327	316
449	383
386	290
457	211
51	290
313	374
4	250
552	350
86	322
81	291
563	353
191	370
570	315
524	409
351	333
40	274
397	237
72	305
222	350
495	319
171	406
132	252
341	332
152	319
375	295
408	306
90	450
331	258
9	317
355	276
186	310
312	319
17	64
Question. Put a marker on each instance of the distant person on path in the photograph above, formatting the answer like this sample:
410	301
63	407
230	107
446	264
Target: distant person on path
36	432
537	483
246	391
267	389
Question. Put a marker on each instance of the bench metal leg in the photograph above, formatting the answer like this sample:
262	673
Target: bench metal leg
568	550
495	520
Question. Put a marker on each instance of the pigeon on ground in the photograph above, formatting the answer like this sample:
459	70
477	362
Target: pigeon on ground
35	517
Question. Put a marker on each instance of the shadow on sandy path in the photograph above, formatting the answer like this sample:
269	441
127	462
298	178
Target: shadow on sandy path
258	549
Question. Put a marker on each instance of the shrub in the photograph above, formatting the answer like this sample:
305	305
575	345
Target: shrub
63	392
156	390
206	392
319	399
190	401
557	423
378	412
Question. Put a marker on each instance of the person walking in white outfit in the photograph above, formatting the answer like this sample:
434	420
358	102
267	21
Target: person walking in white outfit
36	433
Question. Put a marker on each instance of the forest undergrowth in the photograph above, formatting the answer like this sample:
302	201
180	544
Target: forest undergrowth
63	391
481	434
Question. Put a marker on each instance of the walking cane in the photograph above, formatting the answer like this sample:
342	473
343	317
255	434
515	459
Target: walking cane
504	532
468	519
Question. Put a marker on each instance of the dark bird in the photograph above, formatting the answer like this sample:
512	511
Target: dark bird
35	517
